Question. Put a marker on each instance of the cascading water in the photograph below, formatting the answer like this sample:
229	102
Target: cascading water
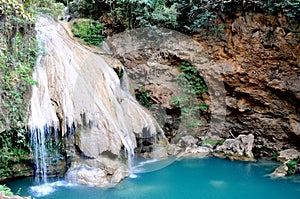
40	121
80	96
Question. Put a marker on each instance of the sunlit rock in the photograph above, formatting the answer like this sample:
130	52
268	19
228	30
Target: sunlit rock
239	148
288	154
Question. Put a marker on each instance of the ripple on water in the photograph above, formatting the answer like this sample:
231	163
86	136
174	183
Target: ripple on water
48	188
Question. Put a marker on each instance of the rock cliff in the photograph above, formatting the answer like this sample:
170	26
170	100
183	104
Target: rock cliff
252	69
263	87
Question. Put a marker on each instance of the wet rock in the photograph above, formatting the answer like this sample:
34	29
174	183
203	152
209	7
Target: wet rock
174	149
159	152
88	176
288	154
98	119
239	148
96	176
2	196
281	171
290	159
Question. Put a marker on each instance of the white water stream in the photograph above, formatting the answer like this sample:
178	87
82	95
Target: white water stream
78	90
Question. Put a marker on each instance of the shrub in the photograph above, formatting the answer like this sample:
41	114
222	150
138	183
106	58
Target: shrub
6	190
143	98
191	86
17	59
292	166
90	31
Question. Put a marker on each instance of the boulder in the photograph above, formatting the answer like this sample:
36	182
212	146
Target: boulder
239	148
288	154
187	141
198	150
286	168
95	176
190	148
281	171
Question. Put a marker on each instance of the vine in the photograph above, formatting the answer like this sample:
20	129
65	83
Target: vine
191	86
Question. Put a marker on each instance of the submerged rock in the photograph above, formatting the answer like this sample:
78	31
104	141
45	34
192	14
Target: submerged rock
239	148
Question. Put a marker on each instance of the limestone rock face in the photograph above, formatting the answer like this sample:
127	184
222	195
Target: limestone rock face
81	95
252	69
262	55
239	148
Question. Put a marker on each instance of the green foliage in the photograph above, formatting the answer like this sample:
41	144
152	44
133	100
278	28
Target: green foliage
17	58
6	190
119	72
183	15
130	13
289	7
85	8
191	86
292	166
214	142
195	14
192	76
141	13
90	31
143	98
274	156
49	7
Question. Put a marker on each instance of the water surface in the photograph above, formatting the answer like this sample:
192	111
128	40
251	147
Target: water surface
208	178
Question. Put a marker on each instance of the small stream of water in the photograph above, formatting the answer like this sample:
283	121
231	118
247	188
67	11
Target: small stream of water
208	178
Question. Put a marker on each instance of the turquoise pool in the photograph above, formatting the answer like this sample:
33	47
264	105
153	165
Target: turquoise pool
208	178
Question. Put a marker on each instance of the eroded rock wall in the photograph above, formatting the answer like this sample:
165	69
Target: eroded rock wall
263	85
255	61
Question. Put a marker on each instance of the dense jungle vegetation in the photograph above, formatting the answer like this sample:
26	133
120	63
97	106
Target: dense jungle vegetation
183	15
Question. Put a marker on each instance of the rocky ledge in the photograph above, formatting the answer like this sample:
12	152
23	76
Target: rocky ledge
290	159
3	196
239	148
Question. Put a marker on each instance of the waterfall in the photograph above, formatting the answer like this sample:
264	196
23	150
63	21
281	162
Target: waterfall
41	120
80	97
